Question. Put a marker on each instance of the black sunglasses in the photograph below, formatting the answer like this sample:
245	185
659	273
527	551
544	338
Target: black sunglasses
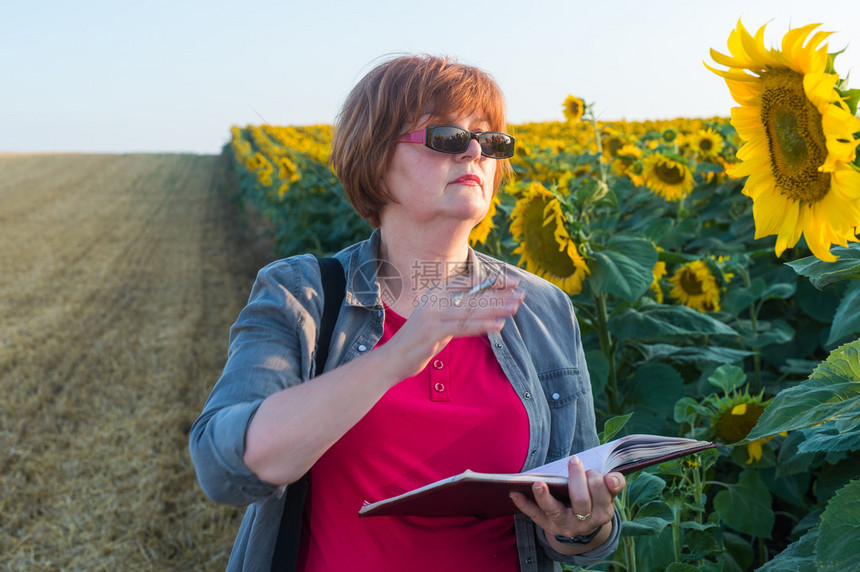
452	139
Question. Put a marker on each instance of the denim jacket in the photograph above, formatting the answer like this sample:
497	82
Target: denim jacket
272	347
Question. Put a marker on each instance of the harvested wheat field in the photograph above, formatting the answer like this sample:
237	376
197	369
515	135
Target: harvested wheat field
119	278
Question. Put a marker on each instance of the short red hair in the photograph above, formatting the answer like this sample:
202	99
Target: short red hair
388	102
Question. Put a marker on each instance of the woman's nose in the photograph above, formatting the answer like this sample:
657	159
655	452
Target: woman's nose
473	151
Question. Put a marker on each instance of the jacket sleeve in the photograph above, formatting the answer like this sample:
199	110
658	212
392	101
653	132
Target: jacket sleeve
270	350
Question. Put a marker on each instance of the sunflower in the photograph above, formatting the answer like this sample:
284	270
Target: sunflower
627	157
695	287
735	416
612	141
545	247
799	139
667	177
481	231
574	108
669	135
658	271
706	144
287	170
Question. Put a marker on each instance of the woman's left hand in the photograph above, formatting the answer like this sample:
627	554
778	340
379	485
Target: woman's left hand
592	505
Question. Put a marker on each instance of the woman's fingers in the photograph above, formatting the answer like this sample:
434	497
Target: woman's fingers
579	490
592	497
436	319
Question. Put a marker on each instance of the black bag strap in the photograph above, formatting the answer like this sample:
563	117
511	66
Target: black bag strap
286	555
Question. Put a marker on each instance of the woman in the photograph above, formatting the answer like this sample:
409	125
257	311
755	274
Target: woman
423	379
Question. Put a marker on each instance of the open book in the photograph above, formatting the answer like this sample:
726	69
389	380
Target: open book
486	495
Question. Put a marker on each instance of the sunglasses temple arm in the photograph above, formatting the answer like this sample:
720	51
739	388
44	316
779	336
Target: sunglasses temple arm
414	137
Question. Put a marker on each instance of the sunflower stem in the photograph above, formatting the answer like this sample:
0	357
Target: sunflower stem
676	530
697	491
602	166
744	272
630	553
629	541
608	349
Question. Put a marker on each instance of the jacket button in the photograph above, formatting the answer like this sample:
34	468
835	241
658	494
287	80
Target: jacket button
438	364
498	346
527	395
555	396
530	560
362	348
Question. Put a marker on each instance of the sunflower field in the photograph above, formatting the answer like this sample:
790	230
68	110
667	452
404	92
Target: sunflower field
714	272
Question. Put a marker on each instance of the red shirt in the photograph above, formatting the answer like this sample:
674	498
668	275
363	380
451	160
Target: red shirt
459	413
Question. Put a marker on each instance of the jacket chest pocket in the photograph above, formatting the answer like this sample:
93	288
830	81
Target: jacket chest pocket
562	388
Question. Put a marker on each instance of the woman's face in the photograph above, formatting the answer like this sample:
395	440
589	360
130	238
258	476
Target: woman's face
436	188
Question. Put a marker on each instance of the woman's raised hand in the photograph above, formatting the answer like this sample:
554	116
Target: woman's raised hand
441	314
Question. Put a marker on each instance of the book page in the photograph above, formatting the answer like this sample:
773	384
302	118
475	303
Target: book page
591	459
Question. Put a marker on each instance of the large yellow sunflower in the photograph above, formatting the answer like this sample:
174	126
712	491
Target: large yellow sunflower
574	108
545	247
799	139
695	287
668	178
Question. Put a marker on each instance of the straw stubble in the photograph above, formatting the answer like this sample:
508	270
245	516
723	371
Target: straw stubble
119	278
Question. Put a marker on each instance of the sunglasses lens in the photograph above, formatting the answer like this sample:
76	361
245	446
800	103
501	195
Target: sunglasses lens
452	139
496	145
449	139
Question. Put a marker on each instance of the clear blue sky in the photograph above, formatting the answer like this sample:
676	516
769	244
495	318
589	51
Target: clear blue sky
113	76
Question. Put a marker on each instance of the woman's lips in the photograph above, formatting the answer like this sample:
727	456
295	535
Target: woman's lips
468	180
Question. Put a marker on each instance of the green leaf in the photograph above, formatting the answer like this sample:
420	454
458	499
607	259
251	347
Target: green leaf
831	391
598	370
648	526
681	567
840	529
790	460
650	519
852	98
612	426
693	525
820	304
706	167
822	273
687	409
737	299
846	322
624	268
767	332
745	506
655	387
799	556
696	355
779	290
644	488
738	554
659	321
727	378
829	438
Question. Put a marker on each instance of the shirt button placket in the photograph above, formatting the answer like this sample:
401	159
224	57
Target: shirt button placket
439	377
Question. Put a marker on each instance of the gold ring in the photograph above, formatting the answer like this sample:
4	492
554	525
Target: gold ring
582	516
